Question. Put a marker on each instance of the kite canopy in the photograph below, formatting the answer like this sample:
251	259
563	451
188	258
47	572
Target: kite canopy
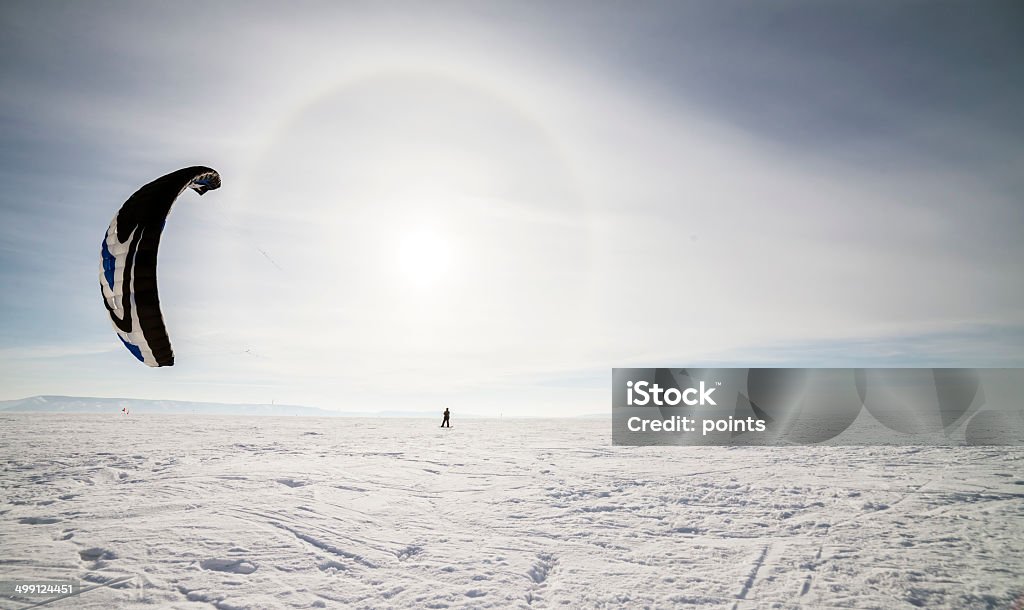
128	263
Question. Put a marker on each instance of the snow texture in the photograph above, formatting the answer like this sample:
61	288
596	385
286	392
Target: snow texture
238	512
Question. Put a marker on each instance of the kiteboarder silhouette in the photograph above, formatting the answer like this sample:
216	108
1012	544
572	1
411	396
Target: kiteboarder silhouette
445	422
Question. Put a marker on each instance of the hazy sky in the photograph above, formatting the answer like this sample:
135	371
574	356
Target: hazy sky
488	205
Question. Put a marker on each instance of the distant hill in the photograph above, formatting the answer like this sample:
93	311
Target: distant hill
79	404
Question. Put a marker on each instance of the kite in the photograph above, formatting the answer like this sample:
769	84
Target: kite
128	263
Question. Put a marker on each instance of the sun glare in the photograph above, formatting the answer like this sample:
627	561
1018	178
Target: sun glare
424	255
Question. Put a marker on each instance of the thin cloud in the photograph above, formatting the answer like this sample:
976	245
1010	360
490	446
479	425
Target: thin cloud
660	183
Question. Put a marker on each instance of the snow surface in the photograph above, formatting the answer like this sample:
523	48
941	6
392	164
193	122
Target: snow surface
245	512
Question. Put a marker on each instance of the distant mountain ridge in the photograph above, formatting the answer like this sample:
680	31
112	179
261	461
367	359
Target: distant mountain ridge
86	404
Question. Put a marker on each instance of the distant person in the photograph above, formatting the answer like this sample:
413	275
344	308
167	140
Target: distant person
445	422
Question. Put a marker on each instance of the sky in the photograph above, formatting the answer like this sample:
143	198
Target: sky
489	205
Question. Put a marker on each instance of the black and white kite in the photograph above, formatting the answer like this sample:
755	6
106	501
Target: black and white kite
128	263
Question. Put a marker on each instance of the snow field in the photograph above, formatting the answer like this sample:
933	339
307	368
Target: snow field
296	512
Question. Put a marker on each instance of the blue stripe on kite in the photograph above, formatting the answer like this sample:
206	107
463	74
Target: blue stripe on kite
108	264
134	349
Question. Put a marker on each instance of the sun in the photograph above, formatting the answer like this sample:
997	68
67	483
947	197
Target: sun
424	255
